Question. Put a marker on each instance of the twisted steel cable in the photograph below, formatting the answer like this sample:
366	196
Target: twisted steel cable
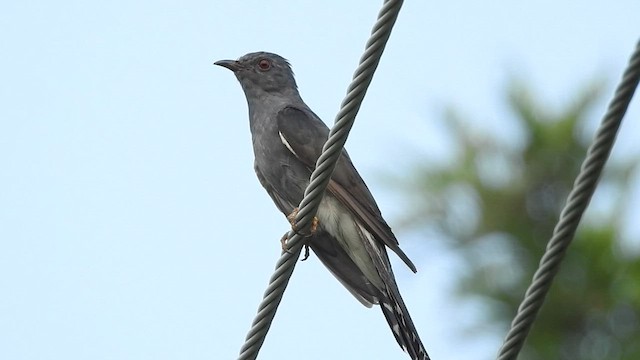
583	189
321	176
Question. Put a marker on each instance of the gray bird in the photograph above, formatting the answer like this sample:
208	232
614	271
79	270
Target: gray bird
351	236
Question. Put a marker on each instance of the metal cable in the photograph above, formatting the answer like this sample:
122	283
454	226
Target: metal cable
321	176
584	187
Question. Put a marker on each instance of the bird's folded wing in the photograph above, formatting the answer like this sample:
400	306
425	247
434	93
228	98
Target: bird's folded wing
304	134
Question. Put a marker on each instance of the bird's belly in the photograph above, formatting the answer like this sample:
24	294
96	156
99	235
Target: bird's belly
331	214
343	226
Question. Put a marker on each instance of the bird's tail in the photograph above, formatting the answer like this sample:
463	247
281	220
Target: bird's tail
402	326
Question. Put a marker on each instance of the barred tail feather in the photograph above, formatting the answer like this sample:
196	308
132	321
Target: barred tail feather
402	327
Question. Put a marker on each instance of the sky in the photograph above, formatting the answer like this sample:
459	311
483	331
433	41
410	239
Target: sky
131	223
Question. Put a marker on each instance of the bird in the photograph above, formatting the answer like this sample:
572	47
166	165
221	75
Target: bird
349	235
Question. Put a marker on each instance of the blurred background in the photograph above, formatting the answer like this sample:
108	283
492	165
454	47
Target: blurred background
132	225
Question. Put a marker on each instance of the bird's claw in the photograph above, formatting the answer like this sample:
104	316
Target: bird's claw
306	252
283	243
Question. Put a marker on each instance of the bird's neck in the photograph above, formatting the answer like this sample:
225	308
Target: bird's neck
273	101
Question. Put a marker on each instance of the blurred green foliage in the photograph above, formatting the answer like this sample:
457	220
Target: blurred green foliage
497	202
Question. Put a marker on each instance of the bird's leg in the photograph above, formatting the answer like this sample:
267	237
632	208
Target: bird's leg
314	225
292	219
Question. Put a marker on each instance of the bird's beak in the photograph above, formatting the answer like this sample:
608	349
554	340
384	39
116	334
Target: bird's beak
229	64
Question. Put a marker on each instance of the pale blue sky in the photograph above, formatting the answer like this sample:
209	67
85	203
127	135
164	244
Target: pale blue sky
131	222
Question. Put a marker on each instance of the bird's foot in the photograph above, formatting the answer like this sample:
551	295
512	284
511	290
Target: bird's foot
283	242
294	226
285	248
292	219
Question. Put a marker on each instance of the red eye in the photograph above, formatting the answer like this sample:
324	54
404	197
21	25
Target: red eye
264	64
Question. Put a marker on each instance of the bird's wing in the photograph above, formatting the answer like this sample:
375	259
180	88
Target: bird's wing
304	134
330	253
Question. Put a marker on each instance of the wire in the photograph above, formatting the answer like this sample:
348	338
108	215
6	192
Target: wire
583	188
321	176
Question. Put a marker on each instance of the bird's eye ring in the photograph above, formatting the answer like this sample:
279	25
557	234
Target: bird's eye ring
264	65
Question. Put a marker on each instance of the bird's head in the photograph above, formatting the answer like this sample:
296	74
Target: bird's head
262	73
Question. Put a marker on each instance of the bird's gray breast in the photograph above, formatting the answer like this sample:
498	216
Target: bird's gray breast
287	175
